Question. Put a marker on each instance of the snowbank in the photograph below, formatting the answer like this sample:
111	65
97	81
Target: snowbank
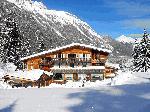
113	65
131	78
80	84
145	75
9	67
1	73
121	78
32	74
6	67
4	85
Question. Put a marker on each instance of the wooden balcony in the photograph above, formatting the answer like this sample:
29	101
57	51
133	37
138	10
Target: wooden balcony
72	62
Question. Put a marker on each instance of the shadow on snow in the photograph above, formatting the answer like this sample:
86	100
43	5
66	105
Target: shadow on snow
127	98
9	108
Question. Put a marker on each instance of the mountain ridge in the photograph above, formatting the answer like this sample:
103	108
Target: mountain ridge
54	28
125	39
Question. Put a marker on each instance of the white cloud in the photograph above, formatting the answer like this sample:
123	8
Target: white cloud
137	23
136	13
129	8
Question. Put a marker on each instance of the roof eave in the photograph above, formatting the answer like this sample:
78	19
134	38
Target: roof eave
60	48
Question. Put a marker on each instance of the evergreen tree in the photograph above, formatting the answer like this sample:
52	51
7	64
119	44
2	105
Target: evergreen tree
141	55
26	48
40	45
12	45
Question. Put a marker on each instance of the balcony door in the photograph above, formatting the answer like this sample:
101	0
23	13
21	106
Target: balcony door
72	58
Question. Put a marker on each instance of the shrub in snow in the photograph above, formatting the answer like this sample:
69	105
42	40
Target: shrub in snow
121	78
8	67
1	73
141	55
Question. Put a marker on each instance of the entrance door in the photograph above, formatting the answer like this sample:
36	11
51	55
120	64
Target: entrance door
75	76
88	77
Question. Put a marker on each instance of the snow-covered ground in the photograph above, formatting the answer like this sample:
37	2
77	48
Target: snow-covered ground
123	98
122	78
127	92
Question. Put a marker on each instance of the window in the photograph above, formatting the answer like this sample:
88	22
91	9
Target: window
80	56
59	55
72	59
88	56
46	59
71	55
69	78
25	65
84	64
83	55
72	64
58	76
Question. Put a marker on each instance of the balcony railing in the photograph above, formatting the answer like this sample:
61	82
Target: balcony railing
72	62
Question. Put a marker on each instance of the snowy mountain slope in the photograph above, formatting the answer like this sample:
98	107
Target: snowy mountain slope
128	39
119	48
54	28
125	39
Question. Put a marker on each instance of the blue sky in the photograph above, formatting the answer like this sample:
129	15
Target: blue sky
112	17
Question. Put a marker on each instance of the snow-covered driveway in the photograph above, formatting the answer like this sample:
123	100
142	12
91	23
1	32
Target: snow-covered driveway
125	98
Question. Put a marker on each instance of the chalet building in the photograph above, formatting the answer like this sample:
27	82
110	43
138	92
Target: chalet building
70	62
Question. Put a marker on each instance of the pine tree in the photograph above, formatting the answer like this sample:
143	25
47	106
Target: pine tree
12	45
26	48
40	45
141	55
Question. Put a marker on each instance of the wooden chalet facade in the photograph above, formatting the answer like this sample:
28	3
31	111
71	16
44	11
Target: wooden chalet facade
70	62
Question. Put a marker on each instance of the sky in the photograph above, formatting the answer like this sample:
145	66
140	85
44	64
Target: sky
108	17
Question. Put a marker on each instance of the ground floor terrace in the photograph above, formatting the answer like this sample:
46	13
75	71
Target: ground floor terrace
91	73
40	78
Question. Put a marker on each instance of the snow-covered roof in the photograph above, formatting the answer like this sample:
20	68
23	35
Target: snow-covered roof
64	47
32	74
112	65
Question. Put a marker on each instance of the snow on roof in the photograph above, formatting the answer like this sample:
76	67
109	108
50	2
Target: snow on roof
112	65
67	46
32	74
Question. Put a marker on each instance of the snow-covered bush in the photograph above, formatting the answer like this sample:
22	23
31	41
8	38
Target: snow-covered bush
121	78
8	67
1	73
